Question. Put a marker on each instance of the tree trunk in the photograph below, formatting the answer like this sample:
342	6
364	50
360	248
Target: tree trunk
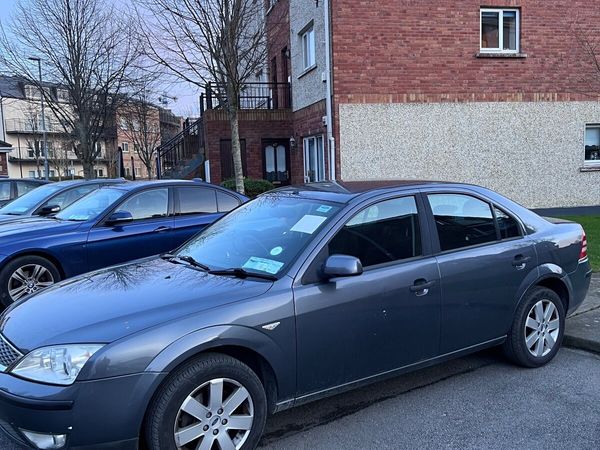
149	170
88	169
236	150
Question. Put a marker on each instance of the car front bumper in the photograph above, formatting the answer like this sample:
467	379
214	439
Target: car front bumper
99	414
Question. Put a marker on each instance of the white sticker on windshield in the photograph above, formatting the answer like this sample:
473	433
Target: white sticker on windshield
276	251
324	208
308	224
263	265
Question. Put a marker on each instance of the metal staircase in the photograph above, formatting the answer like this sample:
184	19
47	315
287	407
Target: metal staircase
183	155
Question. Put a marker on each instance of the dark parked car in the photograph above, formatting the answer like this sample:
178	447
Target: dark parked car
299	294
14	188
110	225
51	198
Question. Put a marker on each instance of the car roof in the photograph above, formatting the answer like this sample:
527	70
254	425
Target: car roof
138	185
346	191
25	180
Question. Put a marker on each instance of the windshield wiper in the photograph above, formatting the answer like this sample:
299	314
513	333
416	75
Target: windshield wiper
242	273
185	258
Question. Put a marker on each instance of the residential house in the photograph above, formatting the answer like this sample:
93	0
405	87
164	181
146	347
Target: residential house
22	129
497	93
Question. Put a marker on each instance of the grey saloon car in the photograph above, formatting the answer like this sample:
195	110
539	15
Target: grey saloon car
299	294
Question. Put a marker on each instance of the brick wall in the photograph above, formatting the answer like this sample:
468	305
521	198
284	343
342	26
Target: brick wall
255	126
3	164
309	122
278	37
415	51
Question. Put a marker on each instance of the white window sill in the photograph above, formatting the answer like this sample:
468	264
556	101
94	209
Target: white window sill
500	55
590	167
307	71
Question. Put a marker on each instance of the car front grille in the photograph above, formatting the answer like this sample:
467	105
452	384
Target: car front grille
8	354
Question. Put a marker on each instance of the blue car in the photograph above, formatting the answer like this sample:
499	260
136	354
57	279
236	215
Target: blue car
51	198
111	225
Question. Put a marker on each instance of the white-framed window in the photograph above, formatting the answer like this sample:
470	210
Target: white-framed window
308	47
592	145
137	171
32	174
500	30
125	147
314	159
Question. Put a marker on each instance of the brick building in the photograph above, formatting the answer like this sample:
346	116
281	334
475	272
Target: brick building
498	93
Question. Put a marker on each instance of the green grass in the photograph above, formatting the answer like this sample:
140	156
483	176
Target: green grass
591	225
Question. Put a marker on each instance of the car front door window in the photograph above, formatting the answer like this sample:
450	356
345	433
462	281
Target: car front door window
151	204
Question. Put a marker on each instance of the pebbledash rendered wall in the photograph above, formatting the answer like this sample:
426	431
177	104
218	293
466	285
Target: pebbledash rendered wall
532	152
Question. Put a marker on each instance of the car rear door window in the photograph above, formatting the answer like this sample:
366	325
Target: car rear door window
508	226
193	200
381	233
69	196
24	188
150	204
5	191
226	202
462	220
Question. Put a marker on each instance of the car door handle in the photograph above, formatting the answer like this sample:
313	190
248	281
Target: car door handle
421	286
520	261
161	229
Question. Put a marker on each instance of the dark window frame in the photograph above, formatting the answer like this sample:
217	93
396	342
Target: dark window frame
433	232
308	274
177	200
101	222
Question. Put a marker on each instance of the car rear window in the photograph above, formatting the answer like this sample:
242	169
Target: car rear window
196	200
462	220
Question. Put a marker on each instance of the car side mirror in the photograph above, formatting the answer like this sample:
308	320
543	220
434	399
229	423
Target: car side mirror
342	266
48	210
119	218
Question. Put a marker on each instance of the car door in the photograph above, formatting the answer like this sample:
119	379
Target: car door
356	327
149	233
484	258
195	209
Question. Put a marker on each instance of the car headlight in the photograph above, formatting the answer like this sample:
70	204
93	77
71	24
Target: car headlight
58	364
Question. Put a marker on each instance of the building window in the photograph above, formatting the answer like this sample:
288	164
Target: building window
500	30
592	144
314	159
308	48
32	174
125	147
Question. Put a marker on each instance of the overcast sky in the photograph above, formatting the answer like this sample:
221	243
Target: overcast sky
187	97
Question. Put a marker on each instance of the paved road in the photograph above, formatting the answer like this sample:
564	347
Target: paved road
477	402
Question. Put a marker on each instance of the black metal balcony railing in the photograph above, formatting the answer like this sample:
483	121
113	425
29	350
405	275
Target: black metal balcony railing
253	96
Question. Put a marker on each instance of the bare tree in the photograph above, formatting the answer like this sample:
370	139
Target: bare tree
589	42
88	52
60	156
32	121
140	123
201	41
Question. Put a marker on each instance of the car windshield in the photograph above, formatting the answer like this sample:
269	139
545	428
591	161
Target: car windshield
92	205
28	202
263	236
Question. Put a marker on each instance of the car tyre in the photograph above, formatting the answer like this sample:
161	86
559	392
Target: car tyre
537	330
185	404
17	273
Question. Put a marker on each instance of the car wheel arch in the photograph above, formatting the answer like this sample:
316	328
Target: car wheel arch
39	253
245	344
549	276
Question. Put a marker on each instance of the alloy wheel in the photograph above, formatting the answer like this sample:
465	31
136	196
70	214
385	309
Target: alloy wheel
27	280
542	328
216	416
